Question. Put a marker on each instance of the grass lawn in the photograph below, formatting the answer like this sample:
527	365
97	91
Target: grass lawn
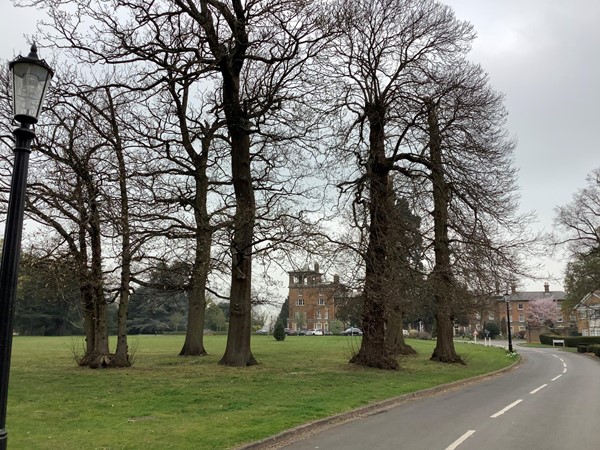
169	402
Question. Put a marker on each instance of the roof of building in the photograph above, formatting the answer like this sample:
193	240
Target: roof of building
526	296
591	300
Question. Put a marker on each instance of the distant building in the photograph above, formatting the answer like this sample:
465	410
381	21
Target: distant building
587	313
311	299
519	309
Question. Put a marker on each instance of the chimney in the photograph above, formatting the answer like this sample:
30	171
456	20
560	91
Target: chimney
317	267
336	279
513	288
546	287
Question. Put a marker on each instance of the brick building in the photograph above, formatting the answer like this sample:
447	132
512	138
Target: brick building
311	299
518	306
588	315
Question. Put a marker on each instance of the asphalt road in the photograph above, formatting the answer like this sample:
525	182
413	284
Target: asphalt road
551	401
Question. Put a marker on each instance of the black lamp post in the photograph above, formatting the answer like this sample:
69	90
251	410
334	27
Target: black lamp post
30	79
507	301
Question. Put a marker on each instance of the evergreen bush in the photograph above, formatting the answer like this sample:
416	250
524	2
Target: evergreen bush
570	341
279	332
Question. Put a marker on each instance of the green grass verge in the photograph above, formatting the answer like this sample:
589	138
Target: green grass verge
169	402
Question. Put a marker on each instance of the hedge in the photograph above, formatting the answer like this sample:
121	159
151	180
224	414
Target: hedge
570	341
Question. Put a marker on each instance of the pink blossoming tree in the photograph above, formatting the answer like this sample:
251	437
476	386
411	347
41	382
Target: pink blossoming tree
543	311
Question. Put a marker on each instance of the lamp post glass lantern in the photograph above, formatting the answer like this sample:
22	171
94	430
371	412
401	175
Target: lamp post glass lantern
30	79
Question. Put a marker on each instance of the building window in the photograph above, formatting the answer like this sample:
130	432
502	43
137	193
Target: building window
319	326
560	318
491	316
522	328
300	302
521	317
326	314
321	301
326	326
318	314
584	332
299	292
521	307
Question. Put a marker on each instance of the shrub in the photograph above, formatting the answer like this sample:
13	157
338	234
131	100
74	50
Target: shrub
570	341
493	328
279	332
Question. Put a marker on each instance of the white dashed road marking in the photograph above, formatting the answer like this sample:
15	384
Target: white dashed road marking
460	440
539	389
503	410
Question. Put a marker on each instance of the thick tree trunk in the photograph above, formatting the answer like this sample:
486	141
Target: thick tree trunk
238	352
87	300
121	357
194	336
100	355
394	339
373	351
441	276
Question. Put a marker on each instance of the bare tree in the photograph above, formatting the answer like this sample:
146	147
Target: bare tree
383	48
64	194
251	56
580	219
257	50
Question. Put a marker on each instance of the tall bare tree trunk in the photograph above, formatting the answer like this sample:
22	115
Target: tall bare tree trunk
121	357
100	356
237	351
394	339
441	279
194	336
373	351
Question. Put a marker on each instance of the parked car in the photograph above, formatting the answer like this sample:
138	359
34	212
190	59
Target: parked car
290	332
318	332
309	332
352	331
262	331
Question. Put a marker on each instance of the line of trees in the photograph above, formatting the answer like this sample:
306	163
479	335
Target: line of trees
579	226
188	142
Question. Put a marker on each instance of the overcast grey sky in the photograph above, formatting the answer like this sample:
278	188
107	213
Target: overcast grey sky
542	54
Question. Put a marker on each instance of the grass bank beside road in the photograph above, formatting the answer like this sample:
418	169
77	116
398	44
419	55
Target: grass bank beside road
168	402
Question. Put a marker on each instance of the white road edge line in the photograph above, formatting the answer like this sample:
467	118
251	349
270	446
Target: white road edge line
556	377
539	389
502	411
565	370
460	440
